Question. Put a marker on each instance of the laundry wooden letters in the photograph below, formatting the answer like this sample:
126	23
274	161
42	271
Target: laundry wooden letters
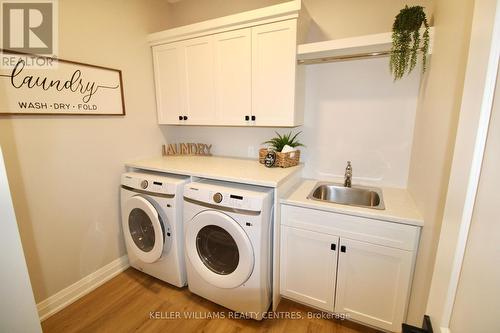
200	149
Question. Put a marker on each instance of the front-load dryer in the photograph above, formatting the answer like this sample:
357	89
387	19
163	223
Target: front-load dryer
227	230
151	206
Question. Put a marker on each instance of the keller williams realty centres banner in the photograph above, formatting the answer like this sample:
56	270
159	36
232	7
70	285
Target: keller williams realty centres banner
31	84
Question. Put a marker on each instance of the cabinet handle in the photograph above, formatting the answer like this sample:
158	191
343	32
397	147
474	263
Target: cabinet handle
247	118
185	117
180	117
342	248
253	118
333	247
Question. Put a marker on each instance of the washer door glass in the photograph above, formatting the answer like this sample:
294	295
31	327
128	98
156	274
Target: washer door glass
143	228
217	249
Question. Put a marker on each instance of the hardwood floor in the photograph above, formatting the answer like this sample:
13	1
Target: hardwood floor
127	302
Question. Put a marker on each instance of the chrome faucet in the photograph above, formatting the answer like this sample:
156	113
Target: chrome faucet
348	175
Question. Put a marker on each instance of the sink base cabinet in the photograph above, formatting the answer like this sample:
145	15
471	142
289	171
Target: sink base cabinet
309	267
325	267
373	283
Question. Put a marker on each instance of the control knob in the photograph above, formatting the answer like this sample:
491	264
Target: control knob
217	197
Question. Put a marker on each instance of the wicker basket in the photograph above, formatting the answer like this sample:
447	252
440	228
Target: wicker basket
262	155
283	160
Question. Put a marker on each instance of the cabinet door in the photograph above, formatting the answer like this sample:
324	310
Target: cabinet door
373	283
274	49
170	83
233	77
200	81
308	267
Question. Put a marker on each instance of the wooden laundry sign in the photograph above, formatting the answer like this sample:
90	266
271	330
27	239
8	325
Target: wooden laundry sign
200	149
32	84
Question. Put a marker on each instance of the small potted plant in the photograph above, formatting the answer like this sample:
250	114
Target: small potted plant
285	148
406	41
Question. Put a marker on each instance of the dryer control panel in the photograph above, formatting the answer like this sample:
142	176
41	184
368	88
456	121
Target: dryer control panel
229	195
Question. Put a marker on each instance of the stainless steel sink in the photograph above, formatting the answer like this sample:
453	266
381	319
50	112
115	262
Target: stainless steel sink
360	196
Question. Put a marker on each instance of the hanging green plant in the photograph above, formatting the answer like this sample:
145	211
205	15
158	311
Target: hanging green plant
406	41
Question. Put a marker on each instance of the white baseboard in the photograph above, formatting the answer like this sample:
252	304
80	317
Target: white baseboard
65	297
445	330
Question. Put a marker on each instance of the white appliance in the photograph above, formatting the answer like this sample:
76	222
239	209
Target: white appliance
152	224
228	244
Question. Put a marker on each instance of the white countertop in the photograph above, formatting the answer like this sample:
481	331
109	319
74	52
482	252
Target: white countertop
248	171
399	205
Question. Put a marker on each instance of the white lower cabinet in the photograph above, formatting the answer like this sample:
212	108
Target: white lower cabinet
310	267
373	283
323	265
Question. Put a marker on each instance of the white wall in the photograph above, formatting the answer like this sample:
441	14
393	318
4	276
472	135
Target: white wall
340	18
353	111
435	129
475	110
334	18
185	12
64	171
477	299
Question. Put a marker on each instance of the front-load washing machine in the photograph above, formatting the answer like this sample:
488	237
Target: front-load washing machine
227	230
152	224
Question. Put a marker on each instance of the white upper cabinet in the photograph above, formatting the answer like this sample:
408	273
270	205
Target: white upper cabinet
200	80
170	83
274	48
238	70
233	65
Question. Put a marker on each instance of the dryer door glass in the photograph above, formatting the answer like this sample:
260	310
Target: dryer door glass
141	230
217	249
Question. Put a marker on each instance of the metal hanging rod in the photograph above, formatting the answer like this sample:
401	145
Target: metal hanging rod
324	60
343	58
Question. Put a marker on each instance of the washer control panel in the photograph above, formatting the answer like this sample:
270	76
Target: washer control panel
152	183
